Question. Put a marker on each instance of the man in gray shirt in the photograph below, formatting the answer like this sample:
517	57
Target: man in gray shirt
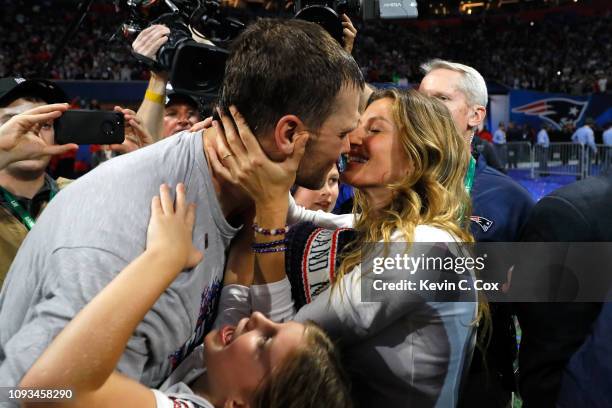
97	225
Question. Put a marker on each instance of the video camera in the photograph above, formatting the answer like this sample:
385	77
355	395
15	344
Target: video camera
197	68
327	13
193	67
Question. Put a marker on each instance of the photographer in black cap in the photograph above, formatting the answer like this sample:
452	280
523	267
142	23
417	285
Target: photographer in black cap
25	187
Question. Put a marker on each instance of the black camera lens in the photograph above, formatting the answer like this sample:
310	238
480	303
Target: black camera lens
108	129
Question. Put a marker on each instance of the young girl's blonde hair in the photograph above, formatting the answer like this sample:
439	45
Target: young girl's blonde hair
309	377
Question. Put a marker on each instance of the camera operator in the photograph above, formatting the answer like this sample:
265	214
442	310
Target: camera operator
25	187
163	115
306	88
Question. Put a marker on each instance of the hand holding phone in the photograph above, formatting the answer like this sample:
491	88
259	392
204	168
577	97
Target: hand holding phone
82	126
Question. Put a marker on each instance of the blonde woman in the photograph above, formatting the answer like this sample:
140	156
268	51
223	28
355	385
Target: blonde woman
408	165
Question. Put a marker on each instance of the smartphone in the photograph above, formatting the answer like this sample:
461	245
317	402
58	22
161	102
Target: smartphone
82	126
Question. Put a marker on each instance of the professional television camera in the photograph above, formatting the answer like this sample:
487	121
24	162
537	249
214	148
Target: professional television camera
193	67
327	13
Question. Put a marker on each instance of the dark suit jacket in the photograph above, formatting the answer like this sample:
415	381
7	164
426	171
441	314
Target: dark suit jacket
552	332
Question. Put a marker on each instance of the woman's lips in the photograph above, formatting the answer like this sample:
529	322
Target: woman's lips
357	159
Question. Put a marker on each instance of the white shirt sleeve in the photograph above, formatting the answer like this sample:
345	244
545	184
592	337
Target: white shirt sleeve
233	305
320	218
273	300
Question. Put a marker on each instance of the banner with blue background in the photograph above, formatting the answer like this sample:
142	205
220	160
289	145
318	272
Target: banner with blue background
536	108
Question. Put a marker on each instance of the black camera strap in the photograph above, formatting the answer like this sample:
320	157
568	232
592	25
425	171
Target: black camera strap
148	63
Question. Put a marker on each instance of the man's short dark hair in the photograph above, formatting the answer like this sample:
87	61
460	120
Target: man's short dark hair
280	67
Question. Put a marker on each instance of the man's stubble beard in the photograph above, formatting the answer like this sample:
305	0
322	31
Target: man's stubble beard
309	174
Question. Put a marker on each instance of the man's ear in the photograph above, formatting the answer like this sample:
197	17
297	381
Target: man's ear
477	116
284	133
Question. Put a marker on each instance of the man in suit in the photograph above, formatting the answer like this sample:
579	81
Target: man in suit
552	332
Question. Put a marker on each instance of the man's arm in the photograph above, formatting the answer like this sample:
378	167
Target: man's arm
575	137
320	218
151	110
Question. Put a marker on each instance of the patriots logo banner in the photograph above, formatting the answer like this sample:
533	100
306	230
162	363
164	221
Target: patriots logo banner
556	111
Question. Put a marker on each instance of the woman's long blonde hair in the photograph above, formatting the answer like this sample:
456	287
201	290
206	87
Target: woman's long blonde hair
433	191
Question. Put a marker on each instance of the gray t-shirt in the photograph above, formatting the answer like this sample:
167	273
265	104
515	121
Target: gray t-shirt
88	234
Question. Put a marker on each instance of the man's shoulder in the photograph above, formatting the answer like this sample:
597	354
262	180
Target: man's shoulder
167	158
583	191
500	206
577	212
490	179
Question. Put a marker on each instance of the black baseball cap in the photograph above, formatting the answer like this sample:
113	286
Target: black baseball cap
15	88
173	97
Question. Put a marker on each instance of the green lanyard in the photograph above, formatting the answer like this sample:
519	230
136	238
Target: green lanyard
26	217
469	182
469	177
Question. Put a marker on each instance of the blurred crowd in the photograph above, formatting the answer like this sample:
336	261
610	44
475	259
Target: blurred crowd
31	32
560	53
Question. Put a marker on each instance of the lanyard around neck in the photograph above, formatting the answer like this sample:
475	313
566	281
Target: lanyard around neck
469	177
26	217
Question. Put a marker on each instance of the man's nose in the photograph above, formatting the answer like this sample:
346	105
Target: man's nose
356	136
346	145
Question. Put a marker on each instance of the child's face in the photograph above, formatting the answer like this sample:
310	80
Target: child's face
239	358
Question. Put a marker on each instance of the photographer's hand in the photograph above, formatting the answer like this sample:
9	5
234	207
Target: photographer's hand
19	138
349	33
151	111
150	40
136	136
